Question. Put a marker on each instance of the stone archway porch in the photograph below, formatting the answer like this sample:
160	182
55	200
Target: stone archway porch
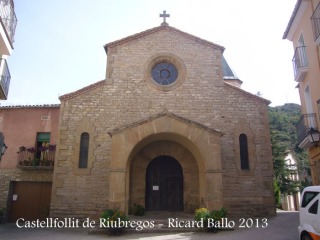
202	142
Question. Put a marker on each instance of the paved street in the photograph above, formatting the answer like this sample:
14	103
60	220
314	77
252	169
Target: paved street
282	227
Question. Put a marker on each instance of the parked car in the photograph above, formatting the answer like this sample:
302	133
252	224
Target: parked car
309	214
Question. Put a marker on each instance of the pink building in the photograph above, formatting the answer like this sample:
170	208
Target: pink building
26	167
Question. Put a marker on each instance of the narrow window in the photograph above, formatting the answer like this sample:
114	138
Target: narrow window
84	150
244	156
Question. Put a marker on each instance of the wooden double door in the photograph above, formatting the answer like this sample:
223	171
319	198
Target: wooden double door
164	185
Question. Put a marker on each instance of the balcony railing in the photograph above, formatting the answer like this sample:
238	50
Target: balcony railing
8	18
4	79
315	22
306	122
300	63
30	158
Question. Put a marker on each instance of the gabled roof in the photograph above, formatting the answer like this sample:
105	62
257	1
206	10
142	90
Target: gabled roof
295	18
250	95
160	115
161	28
30	106
82	90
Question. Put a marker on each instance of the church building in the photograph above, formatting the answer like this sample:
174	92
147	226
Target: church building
169	128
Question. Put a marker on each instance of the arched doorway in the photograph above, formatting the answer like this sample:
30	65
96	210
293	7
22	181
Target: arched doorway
164	185
196	147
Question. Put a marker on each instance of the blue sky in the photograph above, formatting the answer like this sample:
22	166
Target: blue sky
59	44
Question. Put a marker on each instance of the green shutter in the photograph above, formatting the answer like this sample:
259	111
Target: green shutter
43	137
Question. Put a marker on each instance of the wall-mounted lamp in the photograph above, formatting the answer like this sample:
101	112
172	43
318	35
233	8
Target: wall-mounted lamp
3	146
314	136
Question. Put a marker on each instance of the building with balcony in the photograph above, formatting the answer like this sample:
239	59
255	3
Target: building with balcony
8	24
26	169
303	30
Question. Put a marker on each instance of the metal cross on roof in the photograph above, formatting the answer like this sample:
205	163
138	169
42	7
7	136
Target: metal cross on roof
164	15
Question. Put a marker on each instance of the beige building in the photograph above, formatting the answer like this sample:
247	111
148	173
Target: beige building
8	24
169	128
304	31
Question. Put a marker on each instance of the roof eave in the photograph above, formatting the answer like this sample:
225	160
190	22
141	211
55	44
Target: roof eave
30	106
82	90
296	15
156	29
265	101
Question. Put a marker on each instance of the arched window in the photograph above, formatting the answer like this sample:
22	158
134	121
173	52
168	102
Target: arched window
84	150
244	155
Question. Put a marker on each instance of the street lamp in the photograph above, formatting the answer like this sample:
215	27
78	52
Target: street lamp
314	136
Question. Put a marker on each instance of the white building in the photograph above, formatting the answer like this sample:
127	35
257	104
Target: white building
291	202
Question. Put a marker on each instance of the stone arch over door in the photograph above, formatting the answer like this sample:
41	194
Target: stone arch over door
202	142
190	170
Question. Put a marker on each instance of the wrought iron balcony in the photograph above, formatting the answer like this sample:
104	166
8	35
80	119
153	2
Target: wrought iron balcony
300	63
315	22
8	18
306	122
41	158
4	79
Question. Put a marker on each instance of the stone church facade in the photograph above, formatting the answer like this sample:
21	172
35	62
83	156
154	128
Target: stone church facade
164	130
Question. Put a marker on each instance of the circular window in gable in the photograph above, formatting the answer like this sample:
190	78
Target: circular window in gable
165	71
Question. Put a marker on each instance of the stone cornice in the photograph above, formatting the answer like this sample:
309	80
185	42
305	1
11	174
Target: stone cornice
160	115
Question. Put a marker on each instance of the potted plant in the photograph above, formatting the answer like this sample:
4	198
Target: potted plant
215	216
201	215
2	212
115	220
138	210
35	162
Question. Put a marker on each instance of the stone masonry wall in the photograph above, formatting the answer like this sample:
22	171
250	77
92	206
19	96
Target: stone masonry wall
127	97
